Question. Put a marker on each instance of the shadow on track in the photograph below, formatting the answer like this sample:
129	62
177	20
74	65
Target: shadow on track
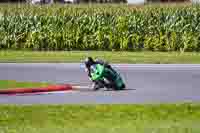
101	90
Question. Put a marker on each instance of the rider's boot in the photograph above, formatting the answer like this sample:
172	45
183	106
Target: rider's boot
97	85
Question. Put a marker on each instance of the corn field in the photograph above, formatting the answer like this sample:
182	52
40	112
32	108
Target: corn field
100	27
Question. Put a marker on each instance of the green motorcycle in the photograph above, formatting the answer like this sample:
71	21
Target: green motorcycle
106	77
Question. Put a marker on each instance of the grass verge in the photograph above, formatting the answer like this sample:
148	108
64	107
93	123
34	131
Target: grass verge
5	84
168	118
114	57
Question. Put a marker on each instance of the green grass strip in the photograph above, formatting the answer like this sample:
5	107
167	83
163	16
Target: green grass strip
164	118
8	84
113	57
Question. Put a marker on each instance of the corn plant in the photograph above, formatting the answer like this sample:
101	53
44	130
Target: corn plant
100	27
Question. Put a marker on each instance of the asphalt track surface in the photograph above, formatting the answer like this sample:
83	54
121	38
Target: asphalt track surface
147	83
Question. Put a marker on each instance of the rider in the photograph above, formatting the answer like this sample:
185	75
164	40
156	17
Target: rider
89	62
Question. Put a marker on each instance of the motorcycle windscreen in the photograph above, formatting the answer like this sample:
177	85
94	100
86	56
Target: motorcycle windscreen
97	71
